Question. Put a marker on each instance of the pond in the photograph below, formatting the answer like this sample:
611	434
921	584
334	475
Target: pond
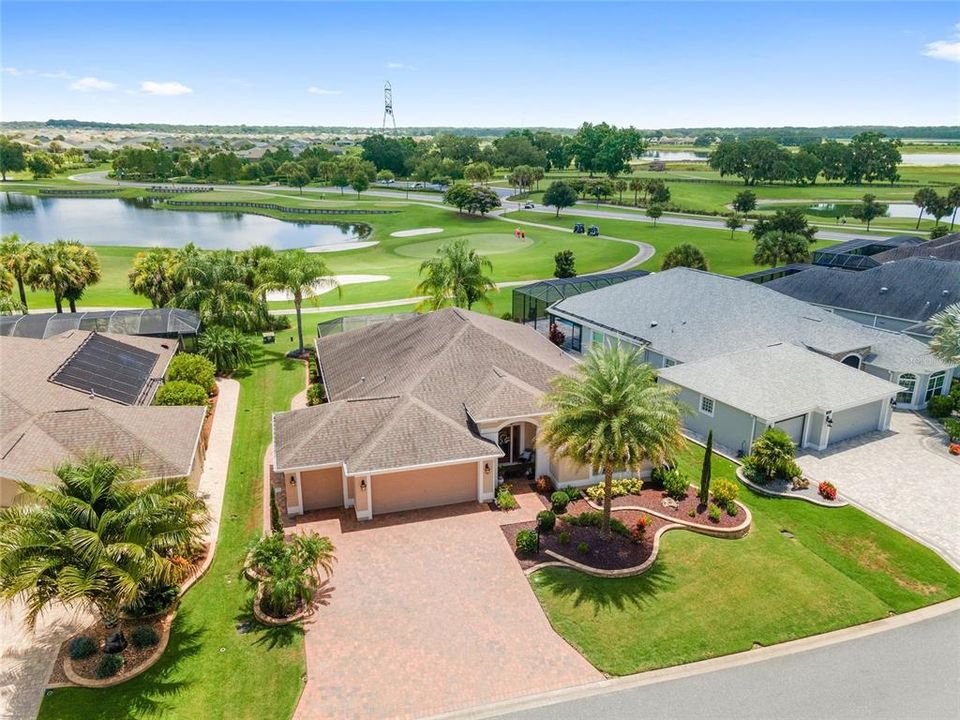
115	221
835	210
947	158
676	155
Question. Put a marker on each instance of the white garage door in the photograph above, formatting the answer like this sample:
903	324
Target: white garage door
793	427
855	421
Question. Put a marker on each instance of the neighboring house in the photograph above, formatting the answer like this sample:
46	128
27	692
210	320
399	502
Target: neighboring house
424	411
900	295
79	392
685	316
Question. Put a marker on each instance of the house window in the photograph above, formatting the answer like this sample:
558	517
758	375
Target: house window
667	362
934	385
597	339
908	381
706	405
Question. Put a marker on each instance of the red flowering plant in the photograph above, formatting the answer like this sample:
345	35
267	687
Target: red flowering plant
954	448
827	490
639	531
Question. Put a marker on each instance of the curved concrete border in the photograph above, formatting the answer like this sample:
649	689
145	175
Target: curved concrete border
734	532
773	493
269	621
121	677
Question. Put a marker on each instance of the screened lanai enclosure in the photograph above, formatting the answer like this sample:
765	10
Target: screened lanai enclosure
173	323
530	302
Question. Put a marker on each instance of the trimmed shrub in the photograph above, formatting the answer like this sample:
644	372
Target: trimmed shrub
952	427
725	492
564	538
714	514
827	490
691	512
574	493
144	637
588	518
526	541
276	519
559	500
619	488
180	392
752	470
544	485
618	527
675	484
583	548
316	395
505	499
733	509
546	520
940	406
108	666
194	369
82	647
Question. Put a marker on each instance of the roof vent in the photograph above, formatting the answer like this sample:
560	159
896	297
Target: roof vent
946	292
882	290
653	323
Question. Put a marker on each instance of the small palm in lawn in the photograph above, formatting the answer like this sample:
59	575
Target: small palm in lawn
456	275
772	452
97	540
612	415
300	274
227	348
945	343
293	576
16	256
684	255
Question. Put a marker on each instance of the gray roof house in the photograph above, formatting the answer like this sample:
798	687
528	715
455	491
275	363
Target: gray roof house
684	316
422	411
900	295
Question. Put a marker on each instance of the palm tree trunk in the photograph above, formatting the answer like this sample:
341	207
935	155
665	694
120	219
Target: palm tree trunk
58	301
23	291
298	302
919	215
73	305
607	494
952	219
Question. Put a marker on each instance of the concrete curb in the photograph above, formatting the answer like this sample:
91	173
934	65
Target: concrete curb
760	490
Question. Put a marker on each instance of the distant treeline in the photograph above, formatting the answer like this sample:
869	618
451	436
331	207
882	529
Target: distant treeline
783	135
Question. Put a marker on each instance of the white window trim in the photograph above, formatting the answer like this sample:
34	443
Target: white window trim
713	405
930	392
668	362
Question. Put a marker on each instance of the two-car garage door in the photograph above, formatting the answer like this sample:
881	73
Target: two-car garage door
425	487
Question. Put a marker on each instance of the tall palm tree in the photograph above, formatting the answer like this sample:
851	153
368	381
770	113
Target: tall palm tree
612	415
777	247
301	274
456	275
953	201
215	286
16	256
923	198
945	343
86	264
156	275
636	185
53	267
96	539
684	255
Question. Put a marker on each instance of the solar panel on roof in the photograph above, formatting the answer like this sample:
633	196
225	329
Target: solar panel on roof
108	368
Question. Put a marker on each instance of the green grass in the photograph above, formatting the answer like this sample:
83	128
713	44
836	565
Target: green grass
706	597
111	291
258	675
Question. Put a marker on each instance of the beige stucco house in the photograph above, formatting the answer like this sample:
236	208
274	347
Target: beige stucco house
425	411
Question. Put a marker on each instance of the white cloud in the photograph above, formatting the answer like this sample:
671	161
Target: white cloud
314	90
56	75
151	87
945	49
400	66
91	84
11	71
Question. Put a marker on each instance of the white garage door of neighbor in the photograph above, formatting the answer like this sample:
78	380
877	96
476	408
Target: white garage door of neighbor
793	427
854	421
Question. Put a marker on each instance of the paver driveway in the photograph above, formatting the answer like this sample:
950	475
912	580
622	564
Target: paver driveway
429	612
904	476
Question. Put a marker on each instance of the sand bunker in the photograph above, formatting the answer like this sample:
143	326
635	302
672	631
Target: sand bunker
337	247
326	285
415	232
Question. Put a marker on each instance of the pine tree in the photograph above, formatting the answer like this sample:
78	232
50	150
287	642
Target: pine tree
705	472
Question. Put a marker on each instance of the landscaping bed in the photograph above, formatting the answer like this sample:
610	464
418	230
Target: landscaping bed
134	658
652	498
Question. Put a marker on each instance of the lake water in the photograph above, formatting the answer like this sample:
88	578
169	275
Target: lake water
676	155
930	158
835	210
116	221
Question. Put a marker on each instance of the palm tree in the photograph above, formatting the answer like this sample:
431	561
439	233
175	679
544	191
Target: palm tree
86	271
922	198
52	267
96	539
612	415
953	200
227	348
16	256
301	274
684	255
945	343
777	247
636	185
156	275
215	287
456	275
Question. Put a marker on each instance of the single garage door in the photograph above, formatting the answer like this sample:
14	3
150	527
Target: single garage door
793	427
855	421
428	487
321	489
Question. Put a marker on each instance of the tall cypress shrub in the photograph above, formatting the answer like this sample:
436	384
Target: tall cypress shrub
705	471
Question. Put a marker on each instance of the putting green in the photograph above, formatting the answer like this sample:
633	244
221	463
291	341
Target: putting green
485	243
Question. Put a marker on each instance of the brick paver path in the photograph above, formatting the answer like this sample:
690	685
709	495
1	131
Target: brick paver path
429	612
904	476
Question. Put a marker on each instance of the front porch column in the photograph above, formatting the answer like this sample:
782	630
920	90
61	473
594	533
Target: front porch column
298	508
363	502
824	434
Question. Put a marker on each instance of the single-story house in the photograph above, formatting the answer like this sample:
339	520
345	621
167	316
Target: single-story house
900	295
684	316
79	392
428	410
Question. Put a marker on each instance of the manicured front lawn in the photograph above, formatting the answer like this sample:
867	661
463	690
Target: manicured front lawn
706	597
256	675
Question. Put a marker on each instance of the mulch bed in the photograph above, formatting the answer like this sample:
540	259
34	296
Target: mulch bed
132	656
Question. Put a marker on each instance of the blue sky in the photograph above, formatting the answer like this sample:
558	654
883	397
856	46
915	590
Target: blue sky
651	65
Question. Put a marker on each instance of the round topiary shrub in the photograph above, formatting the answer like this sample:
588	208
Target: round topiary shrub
82	647
527	541
583	548
546	520
724	491
564	538
559	500
732	509
194	369
675	484
144	637
180	392
108	666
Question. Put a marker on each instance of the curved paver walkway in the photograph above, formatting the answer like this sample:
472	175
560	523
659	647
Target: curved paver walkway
895	476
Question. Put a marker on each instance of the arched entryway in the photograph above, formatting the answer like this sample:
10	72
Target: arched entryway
517	441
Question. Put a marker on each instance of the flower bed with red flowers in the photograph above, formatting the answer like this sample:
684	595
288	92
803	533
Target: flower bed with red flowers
954	448
827	490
